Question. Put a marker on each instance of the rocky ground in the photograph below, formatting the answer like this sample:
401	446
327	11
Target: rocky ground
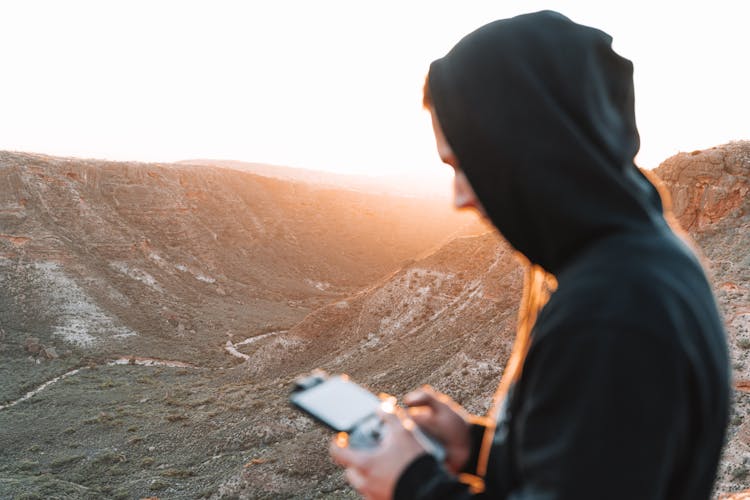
80	290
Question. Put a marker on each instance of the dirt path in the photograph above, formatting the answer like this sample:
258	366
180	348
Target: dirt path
137	360
39	389
133	360
231	347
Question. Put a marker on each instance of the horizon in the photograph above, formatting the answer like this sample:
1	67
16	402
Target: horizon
320	87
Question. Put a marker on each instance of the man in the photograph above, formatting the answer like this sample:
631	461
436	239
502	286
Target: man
618	385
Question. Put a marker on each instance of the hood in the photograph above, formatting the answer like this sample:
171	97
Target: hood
539	112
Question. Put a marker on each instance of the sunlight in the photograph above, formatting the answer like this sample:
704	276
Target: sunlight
331	86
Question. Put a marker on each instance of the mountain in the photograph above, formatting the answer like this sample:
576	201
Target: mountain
396	292
123	290
160	260
402	185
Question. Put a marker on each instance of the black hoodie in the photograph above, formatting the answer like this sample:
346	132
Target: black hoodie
625	389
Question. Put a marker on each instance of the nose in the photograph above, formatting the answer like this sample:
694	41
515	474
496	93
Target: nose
463	194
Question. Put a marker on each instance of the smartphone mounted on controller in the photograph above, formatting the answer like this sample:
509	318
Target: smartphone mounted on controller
345	406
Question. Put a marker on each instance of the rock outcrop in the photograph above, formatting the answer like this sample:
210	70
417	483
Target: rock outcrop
710	192
709	186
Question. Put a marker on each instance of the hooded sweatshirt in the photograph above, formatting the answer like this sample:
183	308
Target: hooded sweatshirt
624	392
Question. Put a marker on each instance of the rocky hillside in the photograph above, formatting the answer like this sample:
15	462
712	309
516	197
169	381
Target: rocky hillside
710	193
102	258
399	185
446	319
323	294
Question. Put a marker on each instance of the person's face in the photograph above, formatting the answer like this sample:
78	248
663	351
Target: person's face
463	194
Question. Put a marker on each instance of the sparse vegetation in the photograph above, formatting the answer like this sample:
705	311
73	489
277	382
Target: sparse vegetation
106	384
158	485
65	460
740	473
28	465
178	473
175	432
110	457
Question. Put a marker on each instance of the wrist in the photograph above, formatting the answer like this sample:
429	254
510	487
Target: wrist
476	431
459	450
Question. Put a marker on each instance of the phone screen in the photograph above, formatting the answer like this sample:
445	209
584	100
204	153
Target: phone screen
337	402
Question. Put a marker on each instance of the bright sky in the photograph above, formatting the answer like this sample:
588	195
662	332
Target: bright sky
333	85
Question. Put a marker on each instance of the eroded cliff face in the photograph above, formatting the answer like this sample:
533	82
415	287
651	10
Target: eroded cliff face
710	193
709	186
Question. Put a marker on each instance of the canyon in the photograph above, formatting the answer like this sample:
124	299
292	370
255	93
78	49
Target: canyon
169	308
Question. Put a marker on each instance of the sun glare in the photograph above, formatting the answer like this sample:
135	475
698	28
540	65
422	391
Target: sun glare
333	86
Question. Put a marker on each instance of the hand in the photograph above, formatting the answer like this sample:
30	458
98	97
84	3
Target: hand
374	472
445	420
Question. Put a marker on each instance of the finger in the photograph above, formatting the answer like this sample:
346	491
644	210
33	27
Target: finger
345	456
355	478
422	415
424	396
399	428
425	418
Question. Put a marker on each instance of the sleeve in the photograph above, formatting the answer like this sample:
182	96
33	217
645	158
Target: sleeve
602	414
426	479
476	433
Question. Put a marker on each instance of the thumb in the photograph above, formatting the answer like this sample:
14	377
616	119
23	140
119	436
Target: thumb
393	424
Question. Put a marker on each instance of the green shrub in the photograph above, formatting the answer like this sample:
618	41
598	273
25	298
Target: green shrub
63	461
181	473
740	473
